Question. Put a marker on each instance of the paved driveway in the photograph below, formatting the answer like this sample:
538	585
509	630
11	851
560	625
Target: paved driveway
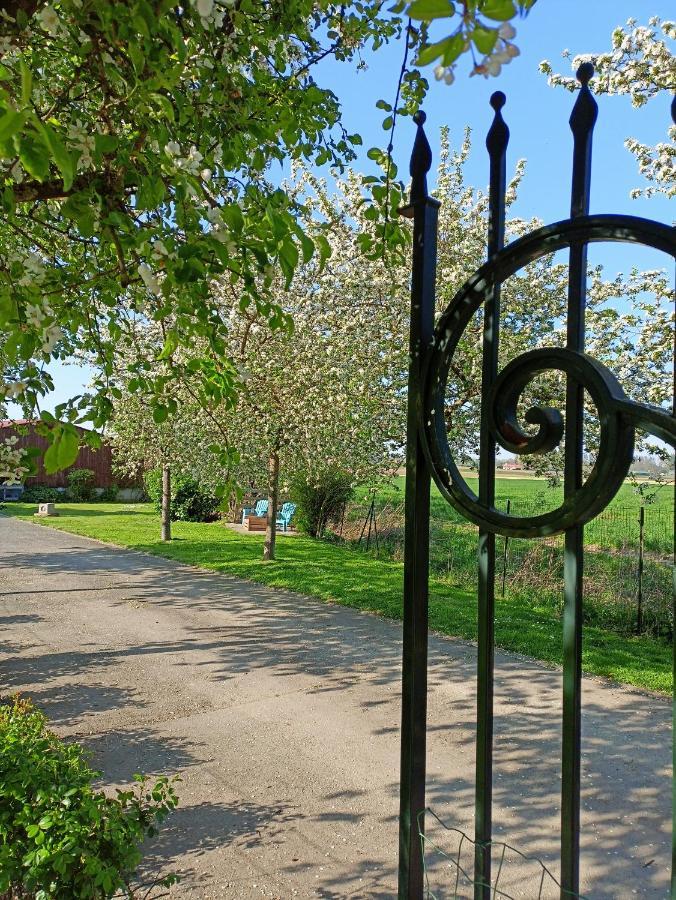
281	715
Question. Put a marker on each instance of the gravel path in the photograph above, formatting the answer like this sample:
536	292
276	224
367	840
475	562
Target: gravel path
281	715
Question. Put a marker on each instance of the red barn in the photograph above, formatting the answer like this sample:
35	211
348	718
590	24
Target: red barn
99	461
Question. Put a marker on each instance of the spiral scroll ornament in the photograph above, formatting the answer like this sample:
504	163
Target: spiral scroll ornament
618	415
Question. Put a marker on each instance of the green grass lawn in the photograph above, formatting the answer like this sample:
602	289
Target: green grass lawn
353	578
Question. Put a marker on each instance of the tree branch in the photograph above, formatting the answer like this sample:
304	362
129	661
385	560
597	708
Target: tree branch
28	191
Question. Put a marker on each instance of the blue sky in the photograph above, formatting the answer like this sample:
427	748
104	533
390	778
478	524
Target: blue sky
537	116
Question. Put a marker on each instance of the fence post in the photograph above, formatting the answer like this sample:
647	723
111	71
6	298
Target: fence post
423	209
504	553
641	531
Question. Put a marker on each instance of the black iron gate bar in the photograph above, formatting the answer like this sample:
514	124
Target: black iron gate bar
429	456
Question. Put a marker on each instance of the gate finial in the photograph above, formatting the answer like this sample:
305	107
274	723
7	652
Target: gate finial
582	121
498	134
421	160
585	110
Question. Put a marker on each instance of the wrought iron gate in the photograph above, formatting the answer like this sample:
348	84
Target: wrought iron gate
429	456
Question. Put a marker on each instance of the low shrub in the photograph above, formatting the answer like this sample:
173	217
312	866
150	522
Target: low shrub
189	501
192	504
320	500
40	493
81	485
108	494
58	836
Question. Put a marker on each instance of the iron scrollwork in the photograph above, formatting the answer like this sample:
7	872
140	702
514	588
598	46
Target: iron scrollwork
618	415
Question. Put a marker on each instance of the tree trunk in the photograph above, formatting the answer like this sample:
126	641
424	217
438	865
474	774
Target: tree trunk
166	503
273	499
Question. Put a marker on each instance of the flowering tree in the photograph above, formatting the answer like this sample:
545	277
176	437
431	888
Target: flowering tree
641	65
135	145
179	446
323	396
331	393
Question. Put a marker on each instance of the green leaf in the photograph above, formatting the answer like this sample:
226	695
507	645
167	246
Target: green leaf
387	123
138	60
68	448
62	159
34	157
160	414
430	52
453	50
170	344
79	208
431	9
307	246
63	450
502	10
105	143
324	249
10	123
288	259
26	82
232	216
484	39
151	192
165	105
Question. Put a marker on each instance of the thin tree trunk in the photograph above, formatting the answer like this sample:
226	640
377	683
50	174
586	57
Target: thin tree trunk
273	499
166	503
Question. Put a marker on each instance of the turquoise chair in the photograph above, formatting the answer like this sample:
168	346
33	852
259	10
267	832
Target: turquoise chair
285	515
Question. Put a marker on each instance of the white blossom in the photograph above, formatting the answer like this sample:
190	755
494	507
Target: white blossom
49	20
148	278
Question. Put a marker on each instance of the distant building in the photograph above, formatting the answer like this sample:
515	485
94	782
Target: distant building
99	461
512	465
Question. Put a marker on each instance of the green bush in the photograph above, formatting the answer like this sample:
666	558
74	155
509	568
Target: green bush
40	493
58	836
81	485
109	494
152	482
320	500
192	504
189	501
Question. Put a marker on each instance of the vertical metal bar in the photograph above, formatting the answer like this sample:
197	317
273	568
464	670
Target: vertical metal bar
496	143
582	120
423	209
639	593
504	553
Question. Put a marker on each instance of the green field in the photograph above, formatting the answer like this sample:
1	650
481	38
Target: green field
532	571
338	573
617	525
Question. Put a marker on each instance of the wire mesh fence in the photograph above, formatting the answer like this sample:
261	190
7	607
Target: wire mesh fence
448	858
628	559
